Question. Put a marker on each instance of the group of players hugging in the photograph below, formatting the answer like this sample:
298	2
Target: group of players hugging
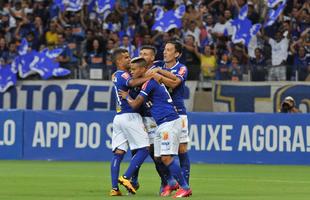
151	119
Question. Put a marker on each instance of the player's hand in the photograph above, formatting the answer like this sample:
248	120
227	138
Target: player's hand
157	77
151	72
122	94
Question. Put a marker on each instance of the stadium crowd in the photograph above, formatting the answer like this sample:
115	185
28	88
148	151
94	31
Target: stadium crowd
277	52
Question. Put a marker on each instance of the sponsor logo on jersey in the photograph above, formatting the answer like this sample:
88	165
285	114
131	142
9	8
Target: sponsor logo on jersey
125	75
165	135
182	71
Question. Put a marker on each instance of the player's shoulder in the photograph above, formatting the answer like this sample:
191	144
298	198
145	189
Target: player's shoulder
158	63
181	69
149	83
181	66
121	73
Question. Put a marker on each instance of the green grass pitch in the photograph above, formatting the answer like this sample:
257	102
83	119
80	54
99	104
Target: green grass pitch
43	180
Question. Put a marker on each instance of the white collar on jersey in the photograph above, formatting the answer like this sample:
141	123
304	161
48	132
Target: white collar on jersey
173	65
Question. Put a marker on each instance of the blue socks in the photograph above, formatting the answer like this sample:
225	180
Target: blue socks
176	172
185	165
134	178
115	165
136	162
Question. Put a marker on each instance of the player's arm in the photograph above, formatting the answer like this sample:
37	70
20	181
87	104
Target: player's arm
169	79
138	81
134	103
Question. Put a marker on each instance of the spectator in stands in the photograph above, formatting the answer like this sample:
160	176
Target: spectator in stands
209	27
190	58
279	53
3	48
51	36
301	67
194	31
219	28
223	68
94	59
236	69
126	44
208	62
64	57
12	53
258	66
110	48
252	14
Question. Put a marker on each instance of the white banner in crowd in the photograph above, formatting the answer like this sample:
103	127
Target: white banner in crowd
70	95
263	97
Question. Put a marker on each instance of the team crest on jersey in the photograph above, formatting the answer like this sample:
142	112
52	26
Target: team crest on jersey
144	85
165	135
182	71
125	75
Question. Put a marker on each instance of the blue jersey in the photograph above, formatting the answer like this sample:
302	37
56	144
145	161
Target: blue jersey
121	79
177	93
145	111
159	101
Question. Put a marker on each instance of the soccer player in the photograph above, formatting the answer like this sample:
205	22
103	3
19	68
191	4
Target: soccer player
128	128
167	135
174	75
148	52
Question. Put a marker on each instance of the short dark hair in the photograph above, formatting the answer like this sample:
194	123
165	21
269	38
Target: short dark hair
150	47
177	45
116	54
141	62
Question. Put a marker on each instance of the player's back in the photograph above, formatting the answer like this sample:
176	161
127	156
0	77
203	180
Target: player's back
177	94
159	101
121	80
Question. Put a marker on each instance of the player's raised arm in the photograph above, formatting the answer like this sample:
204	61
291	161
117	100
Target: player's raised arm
134	103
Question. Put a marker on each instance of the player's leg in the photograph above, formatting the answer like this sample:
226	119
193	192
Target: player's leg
182	153
169	144
115	166
134	178
119	148
150	126
138	140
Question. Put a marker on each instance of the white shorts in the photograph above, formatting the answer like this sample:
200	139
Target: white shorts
128	130
167	138
150	126
184	137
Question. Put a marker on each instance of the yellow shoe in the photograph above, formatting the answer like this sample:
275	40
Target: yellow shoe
115	193
127	184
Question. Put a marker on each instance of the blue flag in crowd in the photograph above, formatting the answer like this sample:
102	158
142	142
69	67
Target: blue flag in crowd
243	30
47	66
23	47
23	63
165	21
7	77
274	14
104	5
273	3
69	5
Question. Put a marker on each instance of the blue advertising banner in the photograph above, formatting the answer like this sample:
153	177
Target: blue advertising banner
11	135
71	135
214	137
83	95
250	138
